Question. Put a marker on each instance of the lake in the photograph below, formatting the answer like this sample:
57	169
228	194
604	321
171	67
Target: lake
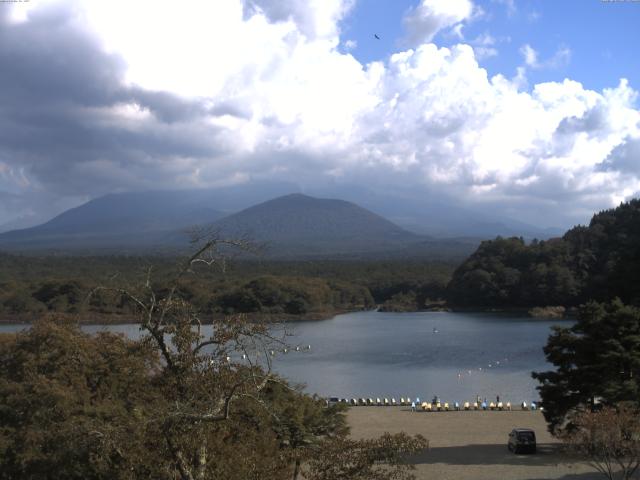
379	354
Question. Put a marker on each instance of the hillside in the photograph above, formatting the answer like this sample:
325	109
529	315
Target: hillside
114	221
299	224
599	261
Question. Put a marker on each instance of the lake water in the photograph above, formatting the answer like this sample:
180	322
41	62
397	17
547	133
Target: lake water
377	354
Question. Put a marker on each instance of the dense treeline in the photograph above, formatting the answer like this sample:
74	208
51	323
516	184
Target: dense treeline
30	286
596	262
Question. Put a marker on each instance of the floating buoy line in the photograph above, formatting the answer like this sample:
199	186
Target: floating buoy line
272	353
436	405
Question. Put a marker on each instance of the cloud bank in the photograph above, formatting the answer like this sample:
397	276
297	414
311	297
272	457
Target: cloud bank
220	93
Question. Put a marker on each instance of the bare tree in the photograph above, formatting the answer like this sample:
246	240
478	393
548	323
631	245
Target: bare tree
609	438
207	366
214	372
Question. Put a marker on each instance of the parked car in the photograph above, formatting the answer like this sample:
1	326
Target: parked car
522	440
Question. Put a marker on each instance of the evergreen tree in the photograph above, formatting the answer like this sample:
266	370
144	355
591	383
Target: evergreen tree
597	359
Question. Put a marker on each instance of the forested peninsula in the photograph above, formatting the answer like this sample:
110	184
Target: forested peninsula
595	262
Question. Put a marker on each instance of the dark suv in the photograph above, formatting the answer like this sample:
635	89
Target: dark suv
522	440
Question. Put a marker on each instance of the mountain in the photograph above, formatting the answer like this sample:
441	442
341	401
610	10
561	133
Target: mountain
431	213
299	224
293	225
128	220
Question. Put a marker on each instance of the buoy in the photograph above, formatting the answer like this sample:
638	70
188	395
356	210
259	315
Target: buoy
466	405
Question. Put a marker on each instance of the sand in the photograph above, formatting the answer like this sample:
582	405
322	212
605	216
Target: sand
472	445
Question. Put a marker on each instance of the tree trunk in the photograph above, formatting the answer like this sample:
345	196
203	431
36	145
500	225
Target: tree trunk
296	469
183	468
201	467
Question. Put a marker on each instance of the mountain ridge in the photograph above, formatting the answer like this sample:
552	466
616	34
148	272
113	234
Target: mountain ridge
293	225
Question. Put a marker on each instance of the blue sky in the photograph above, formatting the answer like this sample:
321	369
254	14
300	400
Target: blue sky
602	36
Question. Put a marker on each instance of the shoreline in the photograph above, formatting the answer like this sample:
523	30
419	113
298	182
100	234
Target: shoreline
122	319
126	319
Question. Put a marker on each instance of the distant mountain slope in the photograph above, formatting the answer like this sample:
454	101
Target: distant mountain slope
298	224
293	225
434	214
122	220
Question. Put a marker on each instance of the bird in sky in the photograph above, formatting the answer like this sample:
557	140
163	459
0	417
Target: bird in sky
376	36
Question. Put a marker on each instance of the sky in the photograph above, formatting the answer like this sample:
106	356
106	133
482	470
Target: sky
528	109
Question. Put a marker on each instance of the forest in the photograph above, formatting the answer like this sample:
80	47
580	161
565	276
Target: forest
32	285
598	262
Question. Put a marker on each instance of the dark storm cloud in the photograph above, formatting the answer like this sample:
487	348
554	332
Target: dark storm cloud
58	120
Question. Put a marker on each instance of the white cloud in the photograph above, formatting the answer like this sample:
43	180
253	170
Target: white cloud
277	99
484	46
530	56
431	16
350	45
560	58
314	18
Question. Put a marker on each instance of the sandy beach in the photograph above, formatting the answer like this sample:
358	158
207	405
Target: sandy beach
472	445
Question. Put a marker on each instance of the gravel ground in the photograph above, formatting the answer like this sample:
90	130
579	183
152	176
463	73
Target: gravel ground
472	445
